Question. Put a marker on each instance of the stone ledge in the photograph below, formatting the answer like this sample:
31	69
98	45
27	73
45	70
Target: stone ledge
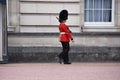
77	54
74	34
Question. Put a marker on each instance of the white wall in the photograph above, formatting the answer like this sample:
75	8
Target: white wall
0	32
41	14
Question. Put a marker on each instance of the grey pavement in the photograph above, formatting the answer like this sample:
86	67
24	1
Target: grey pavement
55	71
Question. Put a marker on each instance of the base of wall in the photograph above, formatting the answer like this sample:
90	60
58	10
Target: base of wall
5	59
77	54
3	62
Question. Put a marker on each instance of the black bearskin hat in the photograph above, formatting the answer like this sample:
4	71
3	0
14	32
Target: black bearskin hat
63	15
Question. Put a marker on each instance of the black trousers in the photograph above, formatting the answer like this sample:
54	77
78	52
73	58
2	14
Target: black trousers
64	54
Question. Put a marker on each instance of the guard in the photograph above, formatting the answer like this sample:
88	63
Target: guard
65	37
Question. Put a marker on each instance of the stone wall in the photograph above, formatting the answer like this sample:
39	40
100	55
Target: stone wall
13	15
88	47
77	54
52	39
37	15
117	13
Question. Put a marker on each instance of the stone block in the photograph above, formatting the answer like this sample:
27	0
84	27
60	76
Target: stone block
118	20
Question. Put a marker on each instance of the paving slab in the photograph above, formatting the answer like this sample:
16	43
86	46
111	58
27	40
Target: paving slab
55	71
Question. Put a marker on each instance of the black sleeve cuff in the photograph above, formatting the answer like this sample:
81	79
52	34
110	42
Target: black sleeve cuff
71	38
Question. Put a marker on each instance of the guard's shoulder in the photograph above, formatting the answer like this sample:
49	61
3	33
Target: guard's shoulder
63	24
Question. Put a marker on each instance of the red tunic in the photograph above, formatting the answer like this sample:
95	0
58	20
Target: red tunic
65	34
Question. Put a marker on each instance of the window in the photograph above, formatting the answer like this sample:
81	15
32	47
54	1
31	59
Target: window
99	13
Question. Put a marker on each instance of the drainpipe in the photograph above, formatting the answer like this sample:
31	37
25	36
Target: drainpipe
5	56
7	13
3	32
5	37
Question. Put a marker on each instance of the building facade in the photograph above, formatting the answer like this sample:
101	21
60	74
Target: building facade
33	27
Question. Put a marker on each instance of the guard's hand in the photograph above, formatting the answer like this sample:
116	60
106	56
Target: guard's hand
72	41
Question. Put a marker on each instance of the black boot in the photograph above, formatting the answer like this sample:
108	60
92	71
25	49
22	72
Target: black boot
66	59
67	63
